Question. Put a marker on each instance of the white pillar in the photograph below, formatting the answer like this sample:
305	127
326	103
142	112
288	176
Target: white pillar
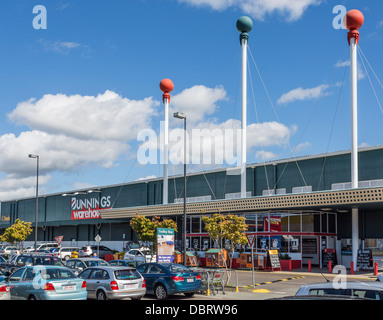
244	117
166	151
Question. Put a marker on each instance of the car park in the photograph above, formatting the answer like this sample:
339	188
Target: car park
163	279
46	283
80	264
363	290
113	282
90	250
31	259
139	254
64	253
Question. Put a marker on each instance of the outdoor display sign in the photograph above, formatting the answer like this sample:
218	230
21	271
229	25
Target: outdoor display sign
327	256
165	245
364	260
273	259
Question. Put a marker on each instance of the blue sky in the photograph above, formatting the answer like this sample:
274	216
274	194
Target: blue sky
79	92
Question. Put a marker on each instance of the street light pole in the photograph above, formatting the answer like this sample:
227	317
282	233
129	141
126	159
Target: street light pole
180	115
35	156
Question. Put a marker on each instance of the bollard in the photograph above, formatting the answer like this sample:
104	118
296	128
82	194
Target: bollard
290	265
375	269
330	266
309	265
236	281
352	267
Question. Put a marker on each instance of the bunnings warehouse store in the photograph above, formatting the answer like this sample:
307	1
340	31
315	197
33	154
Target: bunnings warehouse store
299	206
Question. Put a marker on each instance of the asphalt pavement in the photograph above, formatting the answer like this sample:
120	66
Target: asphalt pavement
278	284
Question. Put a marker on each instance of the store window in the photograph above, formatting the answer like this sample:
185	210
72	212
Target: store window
196	225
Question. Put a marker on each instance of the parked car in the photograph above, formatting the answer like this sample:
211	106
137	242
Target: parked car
64	253
112	282
126	263
42	246
364	290
31	259
80	264
100	251
4	291
139	254
163	279
46	283
9	249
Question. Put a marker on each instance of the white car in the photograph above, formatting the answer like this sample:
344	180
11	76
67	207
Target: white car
64	253
140	255
9	250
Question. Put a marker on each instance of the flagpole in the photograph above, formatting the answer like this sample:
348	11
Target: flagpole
244	25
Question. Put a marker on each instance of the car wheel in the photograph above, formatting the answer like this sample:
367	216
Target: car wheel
101	295
66	258
160	292
189	294
32	297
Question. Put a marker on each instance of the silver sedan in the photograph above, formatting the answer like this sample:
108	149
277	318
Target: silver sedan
113	282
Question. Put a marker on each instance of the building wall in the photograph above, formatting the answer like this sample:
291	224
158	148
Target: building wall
319	172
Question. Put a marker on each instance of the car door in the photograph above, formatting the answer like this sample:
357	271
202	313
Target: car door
14	282
93	282
153	273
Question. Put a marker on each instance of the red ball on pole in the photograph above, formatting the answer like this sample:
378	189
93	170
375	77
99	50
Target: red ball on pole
353	20
166	85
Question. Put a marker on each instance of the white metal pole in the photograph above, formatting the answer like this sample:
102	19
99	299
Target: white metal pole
354	114
244	117
354	147
166	151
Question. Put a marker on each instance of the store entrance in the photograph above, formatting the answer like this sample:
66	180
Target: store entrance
310	250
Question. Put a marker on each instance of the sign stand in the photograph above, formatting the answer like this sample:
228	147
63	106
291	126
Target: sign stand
273	260
250	239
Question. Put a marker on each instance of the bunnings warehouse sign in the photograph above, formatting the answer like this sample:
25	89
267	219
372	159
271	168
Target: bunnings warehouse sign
83	209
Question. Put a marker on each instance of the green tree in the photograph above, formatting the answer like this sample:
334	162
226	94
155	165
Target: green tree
146	228
17	233
230	227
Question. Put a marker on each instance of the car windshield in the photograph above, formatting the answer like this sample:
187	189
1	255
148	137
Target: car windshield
126	274
176	268
47	261
57	274
95	263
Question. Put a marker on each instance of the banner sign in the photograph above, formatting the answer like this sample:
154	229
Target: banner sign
83	209
165	245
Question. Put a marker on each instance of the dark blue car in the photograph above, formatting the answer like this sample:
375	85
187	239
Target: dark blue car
163	279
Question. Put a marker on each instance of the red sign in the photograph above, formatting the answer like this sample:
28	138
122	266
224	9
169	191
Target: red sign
275	224
59	239
84	209
250	238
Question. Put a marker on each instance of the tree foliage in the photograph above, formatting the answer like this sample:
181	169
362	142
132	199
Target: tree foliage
17	233
146	228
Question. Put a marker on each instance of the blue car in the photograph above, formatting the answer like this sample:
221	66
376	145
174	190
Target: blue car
46	283
163	279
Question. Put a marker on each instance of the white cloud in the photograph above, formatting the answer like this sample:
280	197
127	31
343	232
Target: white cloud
303	94
107	116
265	155
259	9
346	63
198	101
69	133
